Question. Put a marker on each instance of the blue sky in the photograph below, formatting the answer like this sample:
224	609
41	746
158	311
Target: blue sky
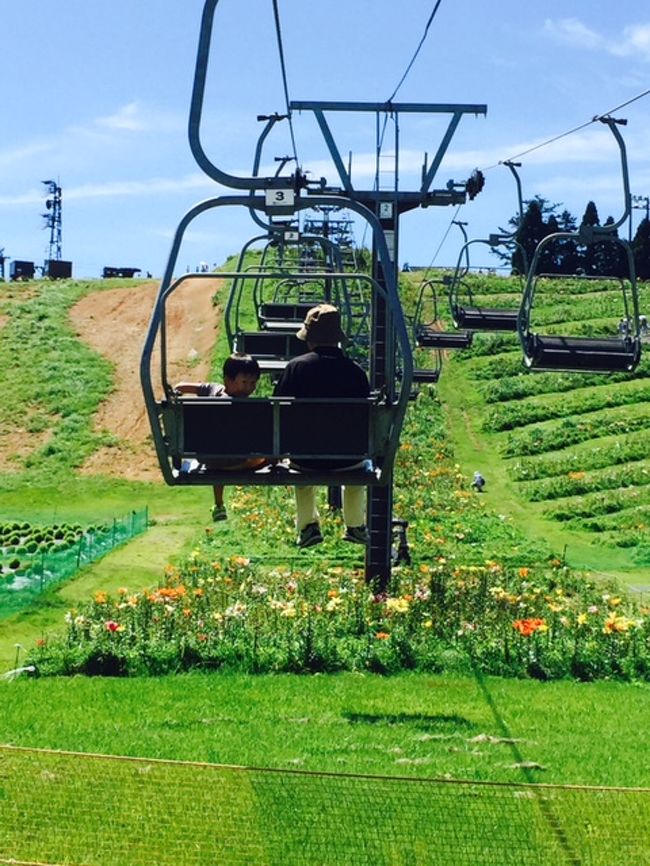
96	96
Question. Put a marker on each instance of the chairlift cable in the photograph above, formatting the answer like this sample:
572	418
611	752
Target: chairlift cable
406	72
569	132
278	31
417	51
444	238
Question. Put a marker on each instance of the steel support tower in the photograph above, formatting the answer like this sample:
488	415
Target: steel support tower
54	219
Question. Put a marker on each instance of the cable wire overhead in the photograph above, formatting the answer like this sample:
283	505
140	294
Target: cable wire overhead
569	131
278	31
417	50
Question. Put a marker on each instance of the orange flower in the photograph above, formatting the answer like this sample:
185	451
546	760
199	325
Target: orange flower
524	572
382	635
101	598
526	627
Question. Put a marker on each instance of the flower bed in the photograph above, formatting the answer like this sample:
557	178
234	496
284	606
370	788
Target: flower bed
231	614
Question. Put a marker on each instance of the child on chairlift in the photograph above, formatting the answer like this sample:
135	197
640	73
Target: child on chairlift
241	374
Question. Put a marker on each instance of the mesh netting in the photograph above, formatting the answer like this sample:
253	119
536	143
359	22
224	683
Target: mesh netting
65	808
42	570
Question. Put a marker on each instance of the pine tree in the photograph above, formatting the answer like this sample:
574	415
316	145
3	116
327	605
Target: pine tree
587	254
641	249
529	234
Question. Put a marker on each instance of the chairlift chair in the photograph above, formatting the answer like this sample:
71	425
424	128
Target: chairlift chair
192	435
465	312
575	353
429	335
607	353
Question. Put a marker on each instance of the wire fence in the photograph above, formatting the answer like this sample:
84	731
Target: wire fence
44	569
73	809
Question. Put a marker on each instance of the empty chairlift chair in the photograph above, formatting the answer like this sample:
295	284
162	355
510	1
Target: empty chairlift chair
429	334
617	351
466	313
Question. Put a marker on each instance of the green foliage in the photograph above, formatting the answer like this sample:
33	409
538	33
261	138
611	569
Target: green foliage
477	596
55	381
545	623
44	556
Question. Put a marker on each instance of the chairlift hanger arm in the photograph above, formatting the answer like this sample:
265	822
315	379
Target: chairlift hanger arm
271	120
196	113
613	125
513	166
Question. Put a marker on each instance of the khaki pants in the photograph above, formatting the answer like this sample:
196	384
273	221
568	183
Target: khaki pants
354	506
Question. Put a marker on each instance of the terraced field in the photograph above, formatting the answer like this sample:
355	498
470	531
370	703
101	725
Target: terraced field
572	449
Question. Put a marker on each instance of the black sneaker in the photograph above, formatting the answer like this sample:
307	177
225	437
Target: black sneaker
356	534
309	536
218	512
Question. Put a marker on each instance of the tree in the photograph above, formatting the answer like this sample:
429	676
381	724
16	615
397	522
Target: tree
588	253
529	234
641	249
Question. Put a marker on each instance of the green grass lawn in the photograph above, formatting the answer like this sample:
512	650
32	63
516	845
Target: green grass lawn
406	725
177	516
411	726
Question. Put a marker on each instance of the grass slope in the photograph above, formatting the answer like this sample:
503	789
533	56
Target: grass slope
577	432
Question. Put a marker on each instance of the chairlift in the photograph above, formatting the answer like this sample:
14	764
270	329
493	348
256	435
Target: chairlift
429	335
192	434
617	352
465	312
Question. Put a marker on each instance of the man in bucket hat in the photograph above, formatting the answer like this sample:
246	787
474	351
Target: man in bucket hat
324	371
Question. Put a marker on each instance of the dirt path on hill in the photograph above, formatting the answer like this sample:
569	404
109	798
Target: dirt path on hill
114	323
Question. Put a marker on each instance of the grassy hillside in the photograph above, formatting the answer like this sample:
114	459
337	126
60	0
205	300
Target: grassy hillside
565	454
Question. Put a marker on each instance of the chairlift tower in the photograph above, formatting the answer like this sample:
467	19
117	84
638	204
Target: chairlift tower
387	202
3	259
54	219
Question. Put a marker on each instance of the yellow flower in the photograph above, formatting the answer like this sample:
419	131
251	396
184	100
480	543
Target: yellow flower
397	605
101	598
582	618
615	624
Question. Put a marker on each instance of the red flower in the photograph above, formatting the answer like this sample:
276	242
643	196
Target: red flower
111	625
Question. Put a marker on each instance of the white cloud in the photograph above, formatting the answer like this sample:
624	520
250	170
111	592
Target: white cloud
128	117
570	31
19	154
120	189
633	42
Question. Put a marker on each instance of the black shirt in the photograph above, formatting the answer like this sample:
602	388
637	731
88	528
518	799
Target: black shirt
325	372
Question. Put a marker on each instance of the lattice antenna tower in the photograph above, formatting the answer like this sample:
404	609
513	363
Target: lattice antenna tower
54	219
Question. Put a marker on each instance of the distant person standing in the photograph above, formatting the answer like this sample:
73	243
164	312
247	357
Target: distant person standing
324	371
478	482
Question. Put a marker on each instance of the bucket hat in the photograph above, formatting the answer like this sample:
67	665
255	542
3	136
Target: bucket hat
322	325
